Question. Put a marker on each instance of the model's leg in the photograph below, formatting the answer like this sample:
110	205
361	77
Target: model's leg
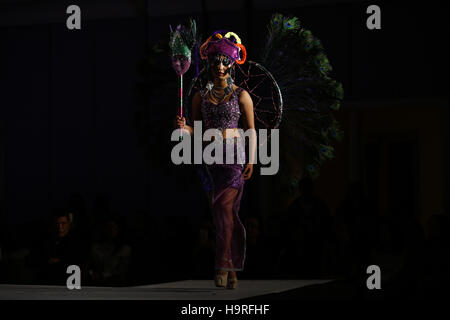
224	223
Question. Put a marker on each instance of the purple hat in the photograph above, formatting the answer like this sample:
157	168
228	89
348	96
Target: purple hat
222	46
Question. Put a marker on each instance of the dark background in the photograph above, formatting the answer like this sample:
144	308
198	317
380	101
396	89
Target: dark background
71	127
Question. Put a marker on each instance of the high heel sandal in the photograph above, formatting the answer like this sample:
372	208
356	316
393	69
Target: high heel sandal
232	283
221	280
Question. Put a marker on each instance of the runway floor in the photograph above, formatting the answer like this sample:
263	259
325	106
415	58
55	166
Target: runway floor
178	290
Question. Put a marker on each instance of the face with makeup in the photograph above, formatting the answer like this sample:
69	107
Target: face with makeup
220	66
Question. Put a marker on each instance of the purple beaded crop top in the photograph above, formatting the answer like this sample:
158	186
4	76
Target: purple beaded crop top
223	115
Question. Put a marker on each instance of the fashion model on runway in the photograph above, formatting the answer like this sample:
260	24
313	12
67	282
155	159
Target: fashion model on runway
221	105
290	90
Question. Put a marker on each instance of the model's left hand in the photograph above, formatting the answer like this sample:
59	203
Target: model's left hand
248	171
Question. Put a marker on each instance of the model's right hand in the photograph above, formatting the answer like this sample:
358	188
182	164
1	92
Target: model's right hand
180	122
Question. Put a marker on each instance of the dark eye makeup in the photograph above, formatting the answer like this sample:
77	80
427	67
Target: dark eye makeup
224	60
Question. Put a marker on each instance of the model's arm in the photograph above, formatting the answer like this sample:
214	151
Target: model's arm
248	117
181	122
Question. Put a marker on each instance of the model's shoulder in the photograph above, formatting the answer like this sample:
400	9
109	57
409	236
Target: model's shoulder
239	91
242	93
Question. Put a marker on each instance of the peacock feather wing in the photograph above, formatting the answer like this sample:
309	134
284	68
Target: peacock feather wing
308	129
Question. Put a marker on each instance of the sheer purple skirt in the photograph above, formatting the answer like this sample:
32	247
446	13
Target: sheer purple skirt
226	183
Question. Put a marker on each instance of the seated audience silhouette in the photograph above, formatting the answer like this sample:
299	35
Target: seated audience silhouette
57	250
109	257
